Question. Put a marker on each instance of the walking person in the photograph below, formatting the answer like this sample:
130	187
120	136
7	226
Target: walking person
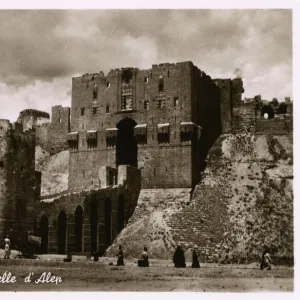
178	257
144	262
6	247
266	260
195	263
120	261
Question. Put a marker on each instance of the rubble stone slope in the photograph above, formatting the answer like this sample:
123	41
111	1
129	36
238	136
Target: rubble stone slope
243	202
55	170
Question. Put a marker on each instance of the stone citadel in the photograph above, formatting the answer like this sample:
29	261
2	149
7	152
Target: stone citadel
128	132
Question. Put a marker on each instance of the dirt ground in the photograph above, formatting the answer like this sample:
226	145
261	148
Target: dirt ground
85	275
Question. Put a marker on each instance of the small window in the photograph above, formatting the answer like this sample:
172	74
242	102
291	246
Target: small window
176	102
95	91
146	79
160	103
161	84
1	164
107	108
94	111
126	103
168	73
108	84
146	104
82	111
154	171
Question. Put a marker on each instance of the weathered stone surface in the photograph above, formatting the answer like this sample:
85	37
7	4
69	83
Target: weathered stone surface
243	202
19	182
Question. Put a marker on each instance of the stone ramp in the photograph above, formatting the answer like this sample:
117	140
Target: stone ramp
148	225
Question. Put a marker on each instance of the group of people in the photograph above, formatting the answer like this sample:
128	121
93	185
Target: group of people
143	262
179	258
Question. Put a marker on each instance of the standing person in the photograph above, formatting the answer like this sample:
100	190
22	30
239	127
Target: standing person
144	262
195	263
265	260
6	247
178	257
120	261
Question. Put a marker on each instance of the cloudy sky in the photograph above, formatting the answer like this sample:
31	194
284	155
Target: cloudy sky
42	50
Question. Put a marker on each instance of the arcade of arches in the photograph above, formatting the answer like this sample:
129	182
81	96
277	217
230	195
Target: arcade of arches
89	228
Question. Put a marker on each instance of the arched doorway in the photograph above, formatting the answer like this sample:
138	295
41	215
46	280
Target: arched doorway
94	225
121	213
78	228
268	111
126	145
44	232
108	209
61	232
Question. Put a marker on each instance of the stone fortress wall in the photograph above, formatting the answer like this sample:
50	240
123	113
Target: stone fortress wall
133	129
19	182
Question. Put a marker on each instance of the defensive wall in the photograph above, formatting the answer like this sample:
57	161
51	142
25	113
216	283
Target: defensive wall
19	182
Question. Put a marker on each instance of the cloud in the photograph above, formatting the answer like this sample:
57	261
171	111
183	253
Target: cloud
50	46
39	95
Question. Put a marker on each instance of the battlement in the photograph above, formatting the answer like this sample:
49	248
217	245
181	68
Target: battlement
155	67
34	113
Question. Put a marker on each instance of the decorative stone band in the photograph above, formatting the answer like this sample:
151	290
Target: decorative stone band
163	128
140	129
192	128
72	136
91	134
111	132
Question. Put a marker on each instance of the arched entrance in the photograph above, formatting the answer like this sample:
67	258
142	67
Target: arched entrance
268	111
78	228
94	225
126	145
61	232
121	218
108	209
44	231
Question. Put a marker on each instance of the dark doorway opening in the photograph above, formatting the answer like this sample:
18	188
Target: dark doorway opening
126	145
62	232
108	209
121	213
78	228
267	109
94	225
44	232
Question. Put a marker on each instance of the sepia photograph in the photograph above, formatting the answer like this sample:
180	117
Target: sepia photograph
146	150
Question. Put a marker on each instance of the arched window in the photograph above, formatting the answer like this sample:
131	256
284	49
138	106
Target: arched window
160	84
95	91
